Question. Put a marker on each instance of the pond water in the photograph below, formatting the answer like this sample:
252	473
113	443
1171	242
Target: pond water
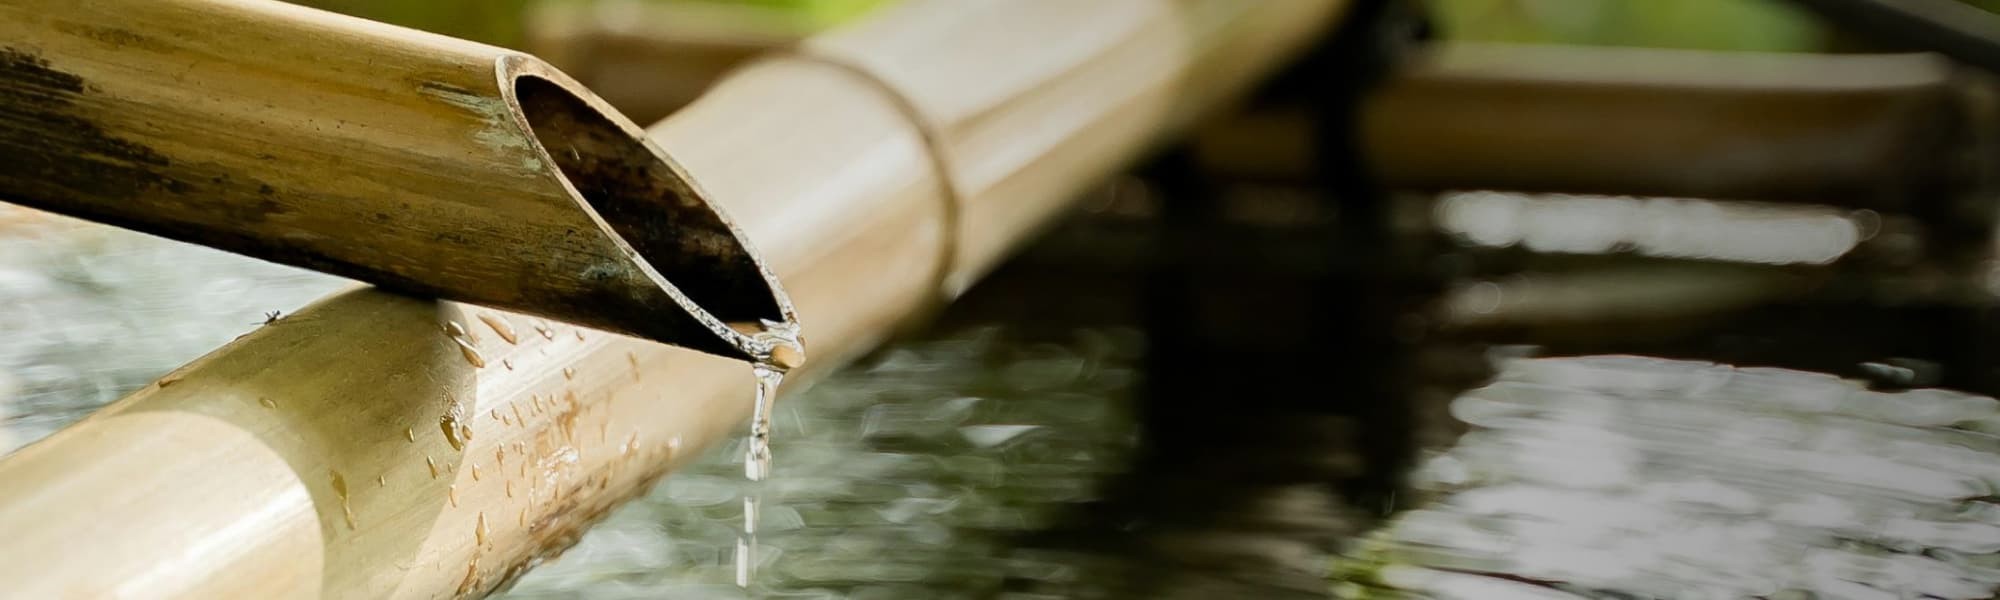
1002	456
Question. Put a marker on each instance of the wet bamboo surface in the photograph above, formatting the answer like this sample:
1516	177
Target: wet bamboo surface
376	445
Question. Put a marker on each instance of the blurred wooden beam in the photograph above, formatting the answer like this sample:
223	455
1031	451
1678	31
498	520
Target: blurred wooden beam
1876	131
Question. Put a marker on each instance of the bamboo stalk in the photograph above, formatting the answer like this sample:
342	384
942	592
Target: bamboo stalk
418	162
199	487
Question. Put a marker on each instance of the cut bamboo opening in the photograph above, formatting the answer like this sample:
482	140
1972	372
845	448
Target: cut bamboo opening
417	162
845	163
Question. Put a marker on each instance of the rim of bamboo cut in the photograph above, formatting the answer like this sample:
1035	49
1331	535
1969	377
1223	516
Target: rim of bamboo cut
416	162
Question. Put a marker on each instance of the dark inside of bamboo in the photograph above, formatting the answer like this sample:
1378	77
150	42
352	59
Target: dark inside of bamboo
647	205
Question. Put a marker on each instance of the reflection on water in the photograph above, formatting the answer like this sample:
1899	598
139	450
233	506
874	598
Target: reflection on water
1628	477
1016	460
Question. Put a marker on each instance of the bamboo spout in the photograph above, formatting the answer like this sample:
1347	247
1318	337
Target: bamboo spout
420	163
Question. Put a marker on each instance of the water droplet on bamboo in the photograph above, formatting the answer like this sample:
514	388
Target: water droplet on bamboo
470	353
381	481
410	434
451	493
500	327
429	462
569	373
479	531
543	328
475	472
340	491
510	488
507	362
267	403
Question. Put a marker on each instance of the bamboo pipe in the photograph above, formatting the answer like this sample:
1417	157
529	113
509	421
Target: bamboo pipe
237	475
417	162
1874	131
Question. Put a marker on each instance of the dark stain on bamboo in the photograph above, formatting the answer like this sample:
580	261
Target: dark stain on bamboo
45	144
54	155
112	36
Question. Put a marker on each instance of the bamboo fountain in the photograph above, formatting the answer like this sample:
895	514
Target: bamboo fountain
381	445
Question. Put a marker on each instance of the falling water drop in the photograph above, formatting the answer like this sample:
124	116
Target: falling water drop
776	349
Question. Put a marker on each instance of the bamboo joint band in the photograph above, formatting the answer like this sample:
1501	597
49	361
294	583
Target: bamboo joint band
943	283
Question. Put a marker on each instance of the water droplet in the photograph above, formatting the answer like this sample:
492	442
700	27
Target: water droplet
500	455
340	491
471	580
569	373
543	328
450	428
479	531
410	434
453	329
500	326
517	414
507	362
429	462
510	488
451	493
522	518
579	335
381	481
471	354
494	413
170	379
267	402
475	472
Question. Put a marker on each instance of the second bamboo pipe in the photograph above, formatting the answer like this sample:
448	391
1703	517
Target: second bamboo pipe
350	451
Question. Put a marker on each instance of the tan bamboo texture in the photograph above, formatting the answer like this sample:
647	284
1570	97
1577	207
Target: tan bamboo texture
355	449
422	163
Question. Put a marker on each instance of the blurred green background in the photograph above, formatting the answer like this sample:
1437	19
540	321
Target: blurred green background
1706	24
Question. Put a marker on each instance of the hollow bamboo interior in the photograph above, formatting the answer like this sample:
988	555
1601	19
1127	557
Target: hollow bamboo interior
360	449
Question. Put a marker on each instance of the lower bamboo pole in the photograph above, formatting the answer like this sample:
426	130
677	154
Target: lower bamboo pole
354	449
